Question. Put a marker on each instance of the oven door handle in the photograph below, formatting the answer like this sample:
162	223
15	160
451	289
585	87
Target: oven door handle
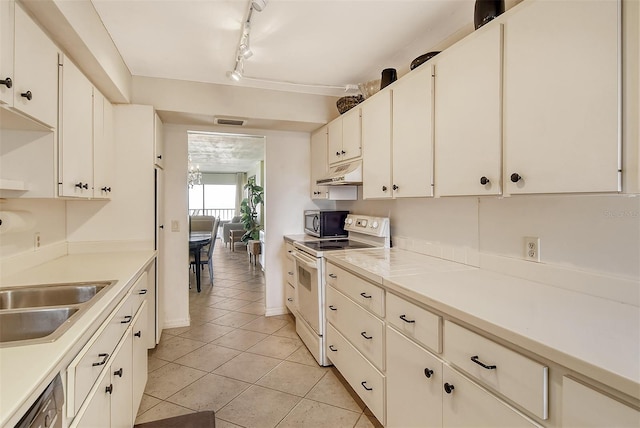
304	261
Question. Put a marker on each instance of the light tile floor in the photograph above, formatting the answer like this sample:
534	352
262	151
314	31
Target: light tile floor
252	370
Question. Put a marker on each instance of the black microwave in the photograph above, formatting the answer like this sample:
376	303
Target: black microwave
325	224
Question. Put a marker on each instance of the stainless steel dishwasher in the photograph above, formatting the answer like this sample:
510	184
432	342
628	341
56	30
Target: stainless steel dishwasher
46	412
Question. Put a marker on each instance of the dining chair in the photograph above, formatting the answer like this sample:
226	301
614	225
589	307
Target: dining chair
207	257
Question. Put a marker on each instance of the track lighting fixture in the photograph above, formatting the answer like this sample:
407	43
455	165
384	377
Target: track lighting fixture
236	74
259	4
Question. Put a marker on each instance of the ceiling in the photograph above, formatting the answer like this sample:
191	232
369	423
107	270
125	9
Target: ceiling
224	153
308	46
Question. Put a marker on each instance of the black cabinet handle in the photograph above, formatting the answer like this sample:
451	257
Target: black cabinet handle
106	189
289	299
104	360
364	385
138	334
290	273
448	388
333	348
337	153
404	318
364	334
428	372
28	95
484	180
127	319
395	187
161	226
109	389
343	152
384	188
333	275
481	364
118	372
333	308
80	185
363	294
515	177
143	291
159	156
7	82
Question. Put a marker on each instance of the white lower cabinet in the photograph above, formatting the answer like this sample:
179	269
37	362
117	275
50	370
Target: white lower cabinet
466	404
105	382
587	408
414	384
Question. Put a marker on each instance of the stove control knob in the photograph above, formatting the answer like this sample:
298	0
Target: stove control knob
349	220
374	225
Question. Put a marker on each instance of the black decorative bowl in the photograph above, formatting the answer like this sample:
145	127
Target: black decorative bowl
345	104
422	59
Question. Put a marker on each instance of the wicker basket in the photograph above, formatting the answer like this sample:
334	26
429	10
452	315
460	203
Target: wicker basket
345	104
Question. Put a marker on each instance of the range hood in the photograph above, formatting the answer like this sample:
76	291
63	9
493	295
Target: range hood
342	175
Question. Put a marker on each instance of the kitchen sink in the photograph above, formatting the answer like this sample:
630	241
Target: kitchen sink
42	313
49	295
33	324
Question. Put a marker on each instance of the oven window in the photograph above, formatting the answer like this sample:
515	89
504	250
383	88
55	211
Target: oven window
304	278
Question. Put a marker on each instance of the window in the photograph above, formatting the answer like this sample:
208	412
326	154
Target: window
218	200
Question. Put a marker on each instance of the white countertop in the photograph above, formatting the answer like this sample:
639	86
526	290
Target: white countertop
597	337
26	370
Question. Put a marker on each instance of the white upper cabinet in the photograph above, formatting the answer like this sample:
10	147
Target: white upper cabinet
561	97
103	146
344	137
6	52
376	137
35	81
75	132
158	142
468	116
412	134
318	162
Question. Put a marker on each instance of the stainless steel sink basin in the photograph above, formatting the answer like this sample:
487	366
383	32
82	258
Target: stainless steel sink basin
49	295
33	324
42	313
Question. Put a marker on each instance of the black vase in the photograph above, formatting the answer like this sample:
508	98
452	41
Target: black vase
389	75
486	10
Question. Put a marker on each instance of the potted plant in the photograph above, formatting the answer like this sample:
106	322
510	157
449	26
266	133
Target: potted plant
249	210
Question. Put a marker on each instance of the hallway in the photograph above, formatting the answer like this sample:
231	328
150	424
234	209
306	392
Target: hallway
252	370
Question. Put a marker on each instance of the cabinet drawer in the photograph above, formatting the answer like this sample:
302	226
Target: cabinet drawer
364	331
368	295
366	381
588	408
414	322
95	356
515	376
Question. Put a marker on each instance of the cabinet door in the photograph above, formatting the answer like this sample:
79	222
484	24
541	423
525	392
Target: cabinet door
122	375
158	142
319	166
35	70
586	408
6	51
376	141
75	133
561	100
469	405
413	135
414	384
468	116
351	135
103	149
96	411
334	136
140	335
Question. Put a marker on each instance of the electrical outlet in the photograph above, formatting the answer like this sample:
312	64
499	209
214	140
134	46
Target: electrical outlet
175	226
36	240
532	248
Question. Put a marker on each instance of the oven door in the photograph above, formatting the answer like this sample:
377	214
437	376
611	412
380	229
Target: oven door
308	271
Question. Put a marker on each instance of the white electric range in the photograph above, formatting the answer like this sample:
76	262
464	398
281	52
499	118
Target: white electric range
365	232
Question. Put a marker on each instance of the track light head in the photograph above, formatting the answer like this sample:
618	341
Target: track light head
259	4
236	74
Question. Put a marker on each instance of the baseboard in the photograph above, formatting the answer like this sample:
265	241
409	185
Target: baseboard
175	323
272	312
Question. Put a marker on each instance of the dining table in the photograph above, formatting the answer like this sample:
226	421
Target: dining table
197	240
